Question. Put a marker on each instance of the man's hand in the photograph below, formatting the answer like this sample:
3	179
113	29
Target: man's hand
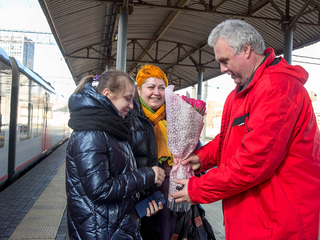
182	195
193	160
159	175
153	208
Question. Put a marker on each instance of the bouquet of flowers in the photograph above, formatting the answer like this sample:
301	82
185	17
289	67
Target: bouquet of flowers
184	124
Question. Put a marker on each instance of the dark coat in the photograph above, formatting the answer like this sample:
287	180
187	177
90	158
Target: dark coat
143	139
144	147
102	179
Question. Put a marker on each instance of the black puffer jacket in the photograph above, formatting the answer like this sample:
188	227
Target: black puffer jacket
144	146
102	180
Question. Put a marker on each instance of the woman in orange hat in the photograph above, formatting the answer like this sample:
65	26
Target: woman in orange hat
149	145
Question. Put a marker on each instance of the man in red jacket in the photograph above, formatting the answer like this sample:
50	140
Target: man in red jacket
268	151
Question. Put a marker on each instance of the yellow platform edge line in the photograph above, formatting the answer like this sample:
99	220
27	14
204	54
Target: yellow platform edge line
43	219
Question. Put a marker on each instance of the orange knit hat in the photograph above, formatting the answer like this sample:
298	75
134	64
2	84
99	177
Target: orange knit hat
150	71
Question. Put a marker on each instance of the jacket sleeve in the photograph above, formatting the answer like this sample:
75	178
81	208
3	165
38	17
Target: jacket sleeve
99	184
208	155
263	148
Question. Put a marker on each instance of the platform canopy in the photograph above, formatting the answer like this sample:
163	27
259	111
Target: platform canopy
171	34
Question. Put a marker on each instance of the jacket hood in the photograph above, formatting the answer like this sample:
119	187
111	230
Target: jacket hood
88	97
295	71
267	66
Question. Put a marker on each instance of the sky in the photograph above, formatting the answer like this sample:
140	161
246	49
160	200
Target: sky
48	61
50	64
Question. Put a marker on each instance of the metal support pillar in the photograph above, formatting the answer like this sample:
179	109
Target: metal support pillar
200	80
199	93
122	41
204	133
107	65
288	43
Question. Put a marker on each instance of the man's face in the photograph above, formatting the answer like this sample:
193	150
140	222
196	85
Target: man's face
235	65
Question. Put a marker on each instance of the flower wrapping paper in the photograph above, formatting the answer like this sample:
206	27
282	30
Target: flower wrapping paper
184	126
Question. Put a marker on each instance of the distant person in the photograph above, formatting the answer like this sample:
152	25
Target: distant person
268	149
102	178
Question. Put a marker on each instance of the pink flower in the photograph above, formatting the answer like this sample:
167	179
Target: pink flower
199	105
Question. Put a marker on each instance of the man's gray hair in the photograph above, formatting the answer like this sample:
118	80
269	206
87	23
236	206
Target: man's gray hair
238	34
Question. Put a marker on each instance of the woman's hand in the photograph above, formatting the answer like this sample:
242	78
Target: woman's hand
159	175
153	208
193	160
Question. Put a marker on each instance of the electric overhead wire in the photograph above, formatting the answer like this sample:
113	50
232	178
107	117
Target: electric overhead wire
313	58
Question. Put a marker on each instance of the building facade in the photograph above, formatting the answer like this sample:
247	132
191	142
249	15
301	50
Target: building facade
20	48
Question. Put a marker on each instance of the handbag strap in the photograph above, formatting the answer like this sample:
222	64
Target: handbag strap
204	228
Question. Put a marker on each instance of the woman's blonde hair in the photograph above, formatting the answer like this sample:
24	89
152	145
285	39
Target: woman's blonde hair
114	80
150	71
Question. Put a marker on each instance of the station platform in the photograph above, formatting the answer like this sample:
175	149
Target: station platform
34	206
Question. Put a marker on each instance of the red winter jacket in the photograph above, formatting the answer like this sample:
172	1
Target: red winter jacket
268	157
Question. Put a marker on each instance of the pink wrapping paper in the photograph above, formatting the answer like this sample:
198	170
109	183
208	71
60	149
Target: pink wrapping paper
184	126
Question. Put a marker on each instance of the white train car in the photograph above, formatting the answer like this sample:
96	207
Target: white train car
33	119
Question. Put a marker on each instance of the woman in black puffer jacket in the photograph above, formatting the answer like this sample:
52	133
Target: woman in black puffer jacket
102	179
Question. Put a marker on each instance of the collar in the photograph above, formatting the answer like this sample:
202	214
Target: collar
267	61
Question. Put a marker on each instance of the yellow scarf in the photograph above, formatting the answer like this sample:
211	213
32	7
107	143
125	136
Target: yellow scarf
160	130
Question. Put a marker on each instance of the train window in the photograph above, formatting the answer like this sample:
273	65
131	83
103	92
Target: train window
37	120
5	79
24	125
2	136
37	101
24	88
5	91
25	108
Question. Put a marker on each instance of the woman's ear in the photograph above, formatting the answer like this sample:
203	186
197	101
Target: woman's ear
106	92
